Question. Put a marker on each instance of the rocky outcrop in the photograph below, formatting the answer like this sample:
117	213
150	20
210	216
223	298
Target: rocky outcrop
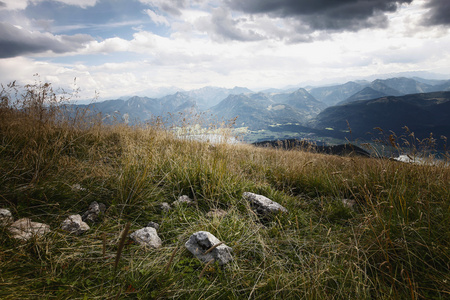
24	229
147	237
74	224
207	247
262	205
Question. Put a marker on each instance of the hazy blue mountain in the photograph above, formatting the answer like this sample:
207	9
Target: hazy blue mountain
138	109
302	100
176	103
331	95
422	113
279	91
397	87
154	92
406	85
299	107
444	86
432	82
256	111
363	90
365	94
259	110
381	86
209	96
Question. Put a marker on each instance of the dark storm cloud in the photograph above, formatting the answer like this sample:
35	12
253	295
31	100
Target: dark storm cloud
324	14
439	13
2	4
15	42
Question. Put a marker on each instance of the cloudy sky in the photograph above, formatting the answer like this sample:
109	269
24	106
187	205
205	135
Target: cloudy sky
126	47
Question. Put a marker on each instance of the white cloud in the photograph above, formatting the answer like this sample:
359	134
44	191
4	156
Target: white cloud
13	4
157	19
222	48
110	45
22	4
173	7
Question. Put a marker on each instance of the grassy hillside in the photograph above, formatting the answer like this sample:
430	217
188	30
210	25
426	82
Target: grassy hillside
393	244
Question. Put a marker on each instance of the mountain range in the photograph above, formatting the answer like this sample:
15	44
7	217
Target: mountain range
364	90
422	113
260	110
420	104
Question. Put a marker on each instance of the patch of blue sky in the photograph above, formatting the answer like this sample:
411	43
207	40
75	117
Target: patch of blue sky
118	18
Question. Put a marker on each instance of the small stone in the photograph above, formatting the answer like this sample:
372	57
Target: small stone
77	187
165	207
24	229
147	236
263	205
348	203
218	213
74	224
93	212
153	225
6	217
202	241
183	200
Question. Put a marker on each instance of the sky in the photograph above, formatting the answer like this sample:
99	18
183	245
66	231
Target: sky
112	48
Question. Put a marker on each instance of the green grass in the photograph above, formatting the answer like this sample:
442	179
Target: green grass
393	245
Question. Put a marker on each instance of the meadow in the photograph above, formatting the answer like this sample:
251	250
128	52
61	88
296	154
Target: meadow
394	243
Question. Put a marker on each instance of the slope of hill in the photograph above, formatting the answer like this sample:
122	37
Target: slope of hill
422	113
137	109
304	145
365	94
406	86
398	86
257	111
302	100
331	95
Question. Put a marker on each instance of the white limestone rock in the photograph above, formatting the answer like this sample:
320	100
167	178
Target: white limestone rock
349	203
183	200
147	236
24	229
200	242
263	205
74	224
6	217
165	207
153	225
77	187
93	212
